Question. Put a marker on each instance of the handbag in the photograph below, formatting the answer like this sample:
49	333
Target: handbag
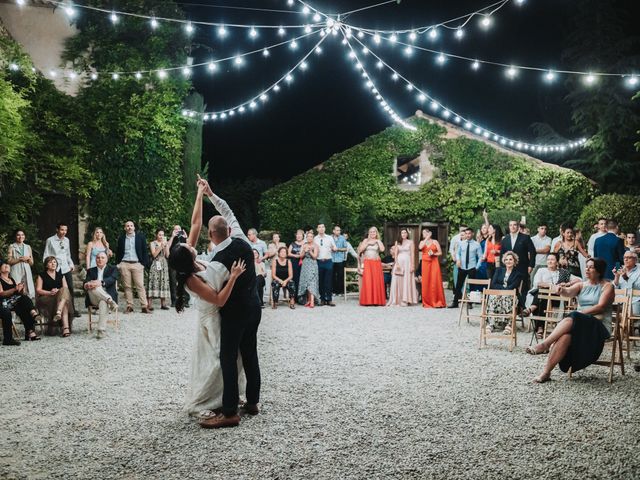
398	270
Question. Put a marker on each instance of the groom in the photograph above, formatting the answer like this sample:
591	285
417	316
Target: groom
240	316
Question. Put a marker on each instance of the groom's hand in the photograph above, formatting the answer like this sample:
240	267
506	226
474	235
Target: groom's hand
205	185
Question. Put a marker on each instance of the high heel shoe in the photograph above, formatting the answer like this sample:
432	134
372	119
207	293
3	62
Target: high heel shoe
31	338
66	332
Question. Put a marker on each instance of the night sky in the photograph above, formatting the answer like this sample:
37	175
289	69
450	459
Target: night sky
327	109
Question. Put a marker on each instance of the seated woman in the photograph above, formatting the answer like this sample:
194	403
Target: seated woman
13	298
578	340
54	298
545	278
504	278
282	277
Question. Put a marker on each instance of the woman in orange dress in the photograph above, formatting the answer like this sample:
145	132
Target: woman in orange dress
372	291
432	290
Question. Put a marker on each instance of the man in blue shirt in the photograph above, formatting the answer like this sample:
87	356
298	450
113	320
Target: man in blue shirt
468	258
339	258
610	248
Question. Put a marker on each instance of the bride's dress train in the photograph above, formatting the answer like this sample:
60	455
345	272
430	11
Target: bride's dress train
204	392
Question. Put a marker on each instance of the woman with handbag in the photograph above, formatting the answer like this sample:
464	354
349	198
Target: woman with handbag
159	272
403	279
372	291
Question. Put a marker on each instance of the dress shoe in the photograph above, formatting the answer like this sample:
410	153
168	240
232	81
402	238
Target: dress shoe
164	307
129	310
145	310
100	334
250	408
330	304
220	421
150	307
76	314
12	342
453	305
113	306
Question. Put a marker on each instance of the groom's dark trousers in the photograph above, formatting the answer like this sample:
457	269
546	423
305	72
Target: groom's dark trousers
239	318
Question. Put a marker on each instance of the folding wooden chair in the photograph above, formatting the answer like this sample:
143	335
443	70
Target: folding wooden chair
115	320
351	278
466	301
557	307
630	320
509	316
37	324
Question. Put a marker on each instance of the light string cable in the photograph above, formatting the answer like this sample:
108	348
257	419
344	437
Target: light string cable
486	12
448	114
511	70
69	8
367	7
369	83
263	96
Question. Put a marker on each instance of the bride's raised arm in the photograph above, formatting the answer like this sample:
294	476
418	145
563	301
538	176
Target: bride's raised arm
208	294
196	218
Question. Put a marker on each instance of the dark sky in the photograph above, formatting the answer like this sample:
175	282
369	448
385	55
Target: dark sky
327	109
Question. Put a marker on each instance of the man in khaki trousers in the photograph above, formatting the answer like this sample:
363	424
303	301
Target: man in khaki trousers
132	256
100	288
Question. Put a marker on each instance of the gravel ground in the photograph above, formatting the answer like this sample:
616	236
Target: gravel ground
348	392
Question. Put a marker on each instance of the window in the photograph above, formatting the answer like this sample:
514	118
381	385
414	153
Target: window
408	171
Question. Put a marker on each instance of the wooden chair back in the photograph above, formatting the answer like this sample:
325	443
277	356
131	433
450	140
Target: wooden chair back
510	317
466	302
351	277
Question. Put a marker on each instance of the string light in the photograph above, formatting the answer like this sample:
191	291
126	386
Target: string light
154	23
471	126
114	18
188	28
459	33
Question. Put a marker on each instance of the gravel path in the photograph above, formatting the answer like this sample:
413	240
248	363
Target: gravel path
348	392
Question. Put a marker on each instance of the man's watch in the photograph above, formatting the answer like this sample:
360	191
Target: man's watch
102	283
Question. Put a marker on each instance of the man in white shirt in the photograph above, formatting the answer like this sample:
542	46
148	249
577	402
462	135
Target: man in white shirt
100	288
58	246
602	230
326	247
453	251
543	246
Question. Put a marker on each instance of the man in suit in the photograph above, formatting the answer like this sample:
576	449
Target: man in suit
100	288
521	245
468	258
239	318
610	248
132	257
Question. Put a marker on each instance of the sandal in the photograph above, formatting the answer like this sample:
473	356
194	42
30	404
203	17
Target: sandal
539	334
292	306
58	316
488	330
507	330
67	333
28	337
533	351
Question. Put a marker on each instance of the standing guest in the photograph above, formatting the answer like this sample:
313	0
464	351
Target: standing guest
261	275
350	250
58	246
578	340
100	288
403	281
432	291
173	279
491	252
7	327
453	251
97	244
387	269
296	258
131	259
54	298
326	247
610	248
12	297
372	291
630	243
552	274
628	277
601	229
339	258
469	255
543	246
282	277
257	244
159	271
522	246
557	239
481	237
309	288
21	260
505	278
568	251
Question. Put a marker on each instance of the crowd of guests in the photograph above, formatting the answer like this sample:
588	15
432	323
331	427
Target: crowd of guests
47	299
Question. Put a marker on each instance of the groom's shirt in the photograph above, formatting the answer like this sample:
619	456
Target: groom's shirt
236	231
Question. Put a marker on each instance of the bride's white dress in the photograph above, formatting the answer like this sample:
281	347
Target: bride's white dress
204	391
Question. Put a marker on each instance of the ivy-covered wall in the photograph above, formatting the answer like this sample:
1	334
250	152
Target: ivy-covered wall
357	188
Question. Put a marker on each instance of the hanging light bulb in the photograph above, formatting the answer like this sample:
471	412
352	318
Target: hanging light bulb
590	79
632	81
289	78
238	60
162	74
253	33
318	50
222	32
264	97
433	33
307	29
379	64
459	33
395	76
486	21
304	66
360	34
53	73
421	98
475	65
511	72
550	76
290	2
14	67
186	71
114	18
20	3
276	88
377	39
293	45
94	76
317	17
413	36
281	31
189	28
69	10
441	59
393	38
154	23
115	76
305	10
138	75
265	52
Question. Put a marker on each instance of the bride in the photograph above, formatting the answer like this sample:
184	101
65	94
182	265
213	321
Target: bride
206	282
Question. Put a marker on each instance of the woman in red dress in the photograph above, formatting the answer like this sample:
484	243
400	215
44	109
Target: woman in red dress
372	291
432	291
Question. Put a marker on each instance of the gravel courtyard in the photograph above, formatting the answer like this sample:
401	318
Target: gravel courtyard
348	392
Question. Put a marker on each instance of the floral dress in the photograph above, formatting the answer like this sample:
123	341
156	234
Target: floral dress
308	278
159	275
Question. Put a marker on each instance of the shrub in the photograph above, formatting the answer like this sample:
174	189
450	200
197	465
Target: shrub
623	208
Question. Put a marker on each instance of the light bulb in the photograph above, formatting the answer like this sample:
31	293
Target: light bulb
293	45
138	75
550	76
379	64
376	38
253	33
53	73
289	78
590	79
264	97
276	88
265	52
281	31
408	51
290	2
475	65
162	74
421	98
632	81
307	29
211	66
189	28
441	59
486	21
318	49
457	119
154	23
446	113
511	72
393	38
115	76
409	87
433	33
14	67
222	32
304	66
114	18
459	33
305	10
317	17
395	76
413	36
94	76
365	50
238	60
20	3
434	105
186	71
69	10
360	34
